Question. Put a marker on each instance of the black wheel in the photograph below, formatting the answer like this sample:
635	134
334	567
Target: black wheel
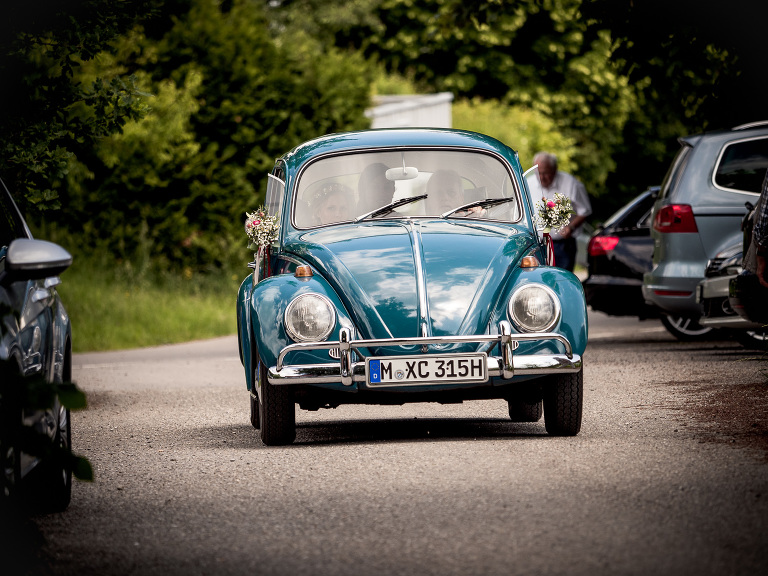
10	467
526	405
56	471
11	423
753	339
563	399
685	329
254	409
277	411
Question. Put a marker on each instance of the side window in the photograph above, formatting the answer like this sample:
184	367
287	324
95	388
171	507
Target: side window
675	170
742	166
275	190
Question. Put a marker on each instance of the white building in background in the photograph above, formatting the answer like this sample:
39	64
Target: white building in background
423	110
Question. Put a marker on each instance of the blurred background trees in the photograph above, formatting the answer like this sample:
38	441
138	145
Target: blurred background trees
151	124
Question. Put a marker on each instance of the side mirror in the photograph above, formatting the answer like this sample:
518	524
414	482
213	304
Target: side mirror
28	259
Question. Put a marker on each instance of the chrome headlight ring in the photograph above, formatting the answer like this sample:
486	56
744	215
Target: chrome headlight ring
534	308
309	317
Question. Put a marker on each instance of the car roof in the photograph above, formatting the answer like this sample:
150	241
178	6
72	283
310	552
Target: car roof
737	132
397	137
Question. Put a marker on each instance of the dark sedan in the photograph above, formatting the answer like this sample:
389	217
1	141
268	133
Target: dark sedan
619	252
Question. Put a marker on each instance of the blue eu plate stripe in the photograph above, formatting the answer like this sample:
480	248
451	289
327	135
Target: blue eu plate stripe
374	371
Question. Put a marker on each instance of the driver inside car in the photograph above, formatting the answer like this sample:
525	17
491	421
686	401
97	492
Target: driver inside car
444	192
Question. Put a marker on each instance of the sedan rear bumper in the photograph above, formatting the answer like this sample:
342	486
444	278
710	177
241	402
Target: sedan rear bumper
506	366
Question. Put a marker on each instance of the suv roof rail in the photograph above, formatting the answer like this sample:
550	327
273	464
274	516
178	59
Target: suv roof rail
751	125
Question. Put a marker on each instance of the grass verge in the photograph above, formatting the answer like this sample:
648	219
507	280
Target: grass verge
117	308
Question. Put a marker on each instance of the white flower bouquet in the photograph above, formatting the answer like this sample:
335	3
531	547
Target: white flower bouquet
554	214
261	228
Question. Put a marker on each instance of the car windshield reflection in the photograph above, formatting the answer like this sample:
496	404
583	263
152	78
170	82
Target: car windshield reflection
405	184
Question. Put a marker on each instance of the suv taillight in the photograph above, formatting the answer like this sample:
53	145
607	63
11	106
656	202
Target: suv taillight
675	218
601	245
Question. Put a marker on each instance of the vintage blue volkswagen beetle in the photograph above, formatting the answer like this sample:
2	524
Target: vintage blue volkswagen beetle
408	268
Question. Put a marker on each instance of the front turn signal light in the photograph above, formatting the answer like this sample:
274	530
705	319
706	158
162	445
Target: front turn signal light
303	272
529	262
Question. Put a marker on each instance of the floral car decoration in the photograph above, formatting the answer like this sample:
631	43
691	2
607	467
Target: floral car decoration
554	213
261	228
407	267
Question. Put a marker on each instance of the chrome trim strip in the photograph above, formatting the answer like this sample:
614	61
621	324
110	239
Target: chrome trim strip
507	357
421	281
291	259
732	321
492	338
345	360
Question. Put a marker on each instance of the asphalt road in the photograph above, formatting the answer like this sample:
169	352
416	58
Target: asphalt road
184	486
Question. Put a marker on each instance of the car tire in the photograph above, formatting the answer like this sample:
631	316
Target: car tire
563	399
55	474
254	398
526	405
11	424
277	411
685	329
10	468
752	339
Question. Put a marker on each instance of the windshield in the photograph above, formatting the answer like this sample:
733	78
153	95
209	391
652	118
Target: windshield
357	186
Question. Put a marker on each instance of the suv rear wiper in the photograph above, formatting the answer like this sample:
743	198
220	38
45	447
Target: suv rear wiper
478	203
389	207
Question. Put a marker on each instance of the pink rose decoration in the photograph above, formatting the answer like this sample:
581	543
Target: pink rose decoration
550	204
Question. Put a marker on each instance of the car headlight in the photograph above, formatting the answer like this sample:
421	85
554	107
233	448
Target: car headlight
534	308
309	318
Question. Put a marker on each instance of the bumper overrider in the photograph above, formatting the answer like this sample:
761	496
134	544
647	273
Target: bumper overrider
506	366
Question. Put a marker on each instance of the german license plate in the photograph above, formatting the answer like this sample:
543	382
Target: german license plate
432	369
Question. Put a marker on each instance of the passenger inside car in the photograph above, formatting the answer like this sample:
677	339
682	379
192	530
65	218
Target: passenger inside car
444	192
331	203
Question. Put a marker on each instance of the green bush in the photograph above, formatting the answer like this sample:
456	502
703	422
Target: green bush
522	129
226	98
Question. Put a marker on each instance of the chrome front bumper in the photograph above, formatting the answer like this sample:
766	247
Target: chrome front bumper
348	372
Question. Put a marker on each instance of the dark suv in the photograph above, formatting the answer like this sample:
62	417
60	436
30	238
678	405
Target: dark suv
698	214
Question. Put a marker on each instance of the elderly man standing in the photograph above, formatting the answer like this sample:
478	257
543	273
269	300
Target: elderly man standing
553	181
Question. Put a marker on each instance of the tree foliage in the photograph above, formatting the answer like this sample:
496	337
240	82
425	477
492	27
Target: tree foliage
46	117
157	138
694	66
228	96
621	79
530	130
533	54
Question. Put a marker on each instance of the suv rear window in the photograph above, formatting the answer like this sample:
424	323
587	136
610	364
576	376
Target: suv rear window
742	165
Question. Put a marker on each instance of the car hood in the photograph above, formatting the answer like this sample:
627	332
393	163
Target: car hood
378	270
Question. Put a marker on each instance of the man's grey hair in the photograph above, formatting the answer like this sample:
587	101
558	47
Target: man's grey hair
546	157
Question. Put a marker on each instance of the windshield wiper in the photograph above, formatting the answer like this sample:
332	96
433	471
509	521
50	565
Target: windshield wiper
389	207
481	203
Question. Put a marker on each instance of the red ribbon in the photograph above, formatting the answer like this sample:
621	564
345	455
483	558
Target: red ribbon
550	249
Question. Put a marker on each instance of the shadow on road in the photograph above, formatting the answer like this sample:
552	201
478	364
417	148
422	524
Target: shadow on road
368	431
413	430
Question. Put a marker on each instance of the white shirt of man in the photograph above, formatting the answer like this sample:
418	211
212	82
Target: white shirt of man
565	184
